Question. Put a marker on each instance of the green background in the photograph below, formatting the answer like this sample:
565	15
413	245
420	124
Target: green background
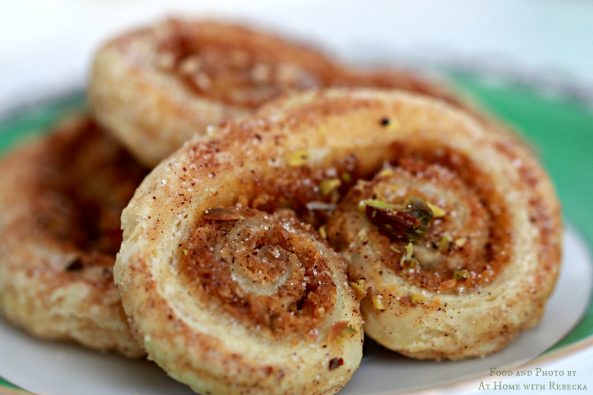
561	130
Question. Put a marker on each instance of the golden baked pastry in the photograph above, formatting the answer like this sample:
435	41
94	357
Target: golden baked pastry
156	87
227	290
452	233
60	201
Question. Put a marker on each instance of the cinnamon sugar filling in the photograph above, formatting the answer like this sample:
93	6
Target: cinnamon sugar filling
233	73
85	182
434	218
258	268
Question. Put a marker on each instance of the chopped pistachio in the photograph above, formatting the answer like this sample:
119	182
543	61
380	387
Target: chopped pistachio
328	186
409	251
340	329
419	209
323	232
461	274
417	298
377	301
407	261
444	243
409	224
297	158
376	203
411	263
437	212
360	288
385	172
346	177
461	241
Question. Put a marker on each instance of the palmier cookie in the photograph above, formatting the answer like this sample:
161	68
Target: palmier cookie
452	233
61	197
157	86
227	288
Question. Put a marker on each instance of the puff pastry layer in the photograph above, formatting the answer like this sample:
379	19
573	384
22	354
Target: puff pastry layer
228	291
454	249
156	87
60	201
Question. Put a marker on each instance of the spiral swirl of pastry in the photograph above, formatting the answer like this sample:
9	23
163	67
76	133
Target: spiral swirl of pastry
454	240
228	291
60	201
156	87
238	300
454	249
270	272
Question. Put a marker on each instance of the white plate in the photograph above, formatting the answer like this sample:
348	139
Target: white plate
66	369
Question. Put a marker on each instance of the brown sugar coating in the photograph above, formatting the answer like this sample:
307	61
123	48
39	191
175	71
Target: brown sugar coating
245	71
246	68
258	268
440	197
432	218
80	192
157	86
